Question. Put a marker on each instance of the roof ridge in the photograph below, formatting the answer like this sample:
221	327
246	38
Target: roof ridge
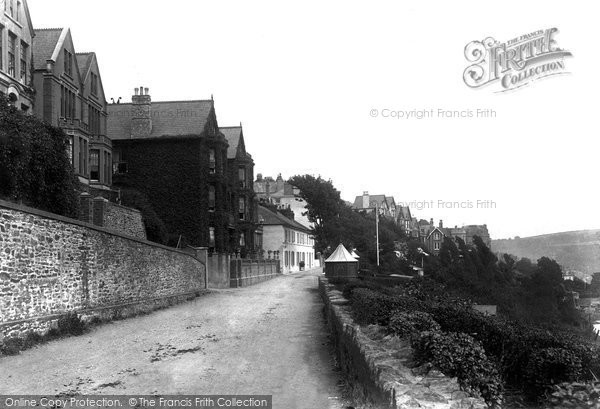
87	52
165	102
229	127
185	100
49	29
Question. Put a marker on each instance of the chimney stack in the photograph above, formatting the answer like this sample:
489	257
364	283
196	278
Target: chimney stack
365	200
431	222
141	115
441	224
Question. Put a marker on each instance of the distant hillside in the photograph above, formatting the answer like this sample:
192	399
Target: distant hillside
578	250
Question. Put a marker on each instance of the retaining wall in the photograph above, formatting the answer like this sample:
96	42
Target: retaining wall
51	265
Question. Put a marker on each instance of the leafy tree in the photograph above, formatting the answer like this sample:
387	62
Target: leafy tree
34	166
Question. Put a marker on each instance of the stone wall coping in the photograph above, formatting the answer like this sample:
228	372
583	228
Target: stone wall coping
64	219
131	209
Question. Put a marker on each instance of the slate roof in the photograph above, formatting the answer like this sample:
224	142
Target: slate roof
169	118
358	203
84	60
404	212
270	218
44	44
233	134
341	255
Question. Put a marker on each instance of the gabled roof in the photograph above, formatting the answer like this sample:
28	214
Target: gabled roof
235	139
404	212
341	255
169	118
270	218
390	200
45	42
433	231
84	62
379	199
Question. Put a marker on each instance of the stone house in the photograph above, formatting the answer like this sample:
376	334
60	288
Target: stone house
70	95
16	54
174	153
287	240
368	203
243	199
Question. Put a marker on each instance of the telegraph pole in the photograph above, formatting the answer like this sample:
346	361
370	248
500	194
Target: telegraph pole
377	229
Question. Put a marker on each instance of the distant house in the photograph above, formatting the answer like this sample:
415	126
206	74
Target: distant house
408	223
287	240
480	230
283	195
16	40
368	203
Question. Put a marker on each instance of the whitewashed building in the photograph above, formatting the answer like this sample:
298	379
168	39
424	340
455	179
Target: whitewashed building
287	240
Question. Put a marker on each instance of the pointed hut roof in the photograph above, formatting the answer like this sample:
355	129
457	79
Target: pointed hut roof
354	254
341	255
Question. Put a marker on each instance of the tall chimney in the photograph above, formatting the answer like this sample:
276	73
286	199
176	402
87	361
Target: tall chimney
141	115
431	222
365	200
441	224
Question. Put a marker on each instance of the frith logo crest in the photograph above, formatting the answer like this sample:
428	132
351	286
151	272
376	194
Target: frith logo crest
514	63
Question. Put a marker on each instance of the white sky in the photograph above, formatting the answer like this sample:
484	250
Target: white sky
303	77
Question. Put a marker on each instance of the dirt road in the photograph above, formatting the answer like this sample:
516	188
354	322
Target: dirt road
266	339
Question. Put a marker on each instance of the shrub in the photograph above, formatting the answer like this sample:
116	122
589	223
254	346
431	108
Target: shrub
576	395
34	166
71	324
405	324
460	356
550	366
351	285
11	346
372	307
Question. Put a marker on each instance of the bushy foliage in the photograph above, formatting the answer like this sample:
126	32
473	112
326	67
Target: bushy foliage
550	366
460	356
372	307
154	226
408	324
577	395
353	284
34	166
527	357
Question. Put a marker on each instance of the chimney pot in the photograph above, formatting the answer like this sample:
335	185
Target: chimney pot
136	91
147	91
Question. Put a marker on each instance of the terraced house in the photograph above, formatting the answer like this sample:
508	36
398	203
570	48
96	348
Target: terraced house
70	95
16	54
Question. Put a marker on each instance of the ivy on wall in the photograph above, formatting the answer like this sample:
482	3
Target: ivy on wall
34	165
